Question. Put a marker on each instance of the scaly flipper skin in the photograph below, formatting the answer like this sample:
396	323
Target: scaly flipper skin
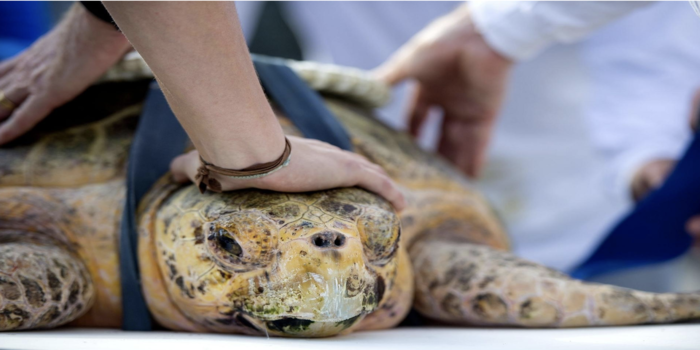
69	229
463	283
41	285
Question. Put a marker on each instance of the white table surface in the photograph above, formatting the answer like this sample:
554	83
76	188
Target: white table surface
679	336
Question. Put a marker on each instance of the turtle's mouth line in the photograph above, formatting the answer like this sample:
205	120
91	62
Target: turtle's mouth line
252	324
303	317
282	323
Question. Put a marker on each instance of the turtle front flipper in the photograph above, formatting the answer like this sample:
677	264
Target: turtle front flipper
464	283
44	281
42	285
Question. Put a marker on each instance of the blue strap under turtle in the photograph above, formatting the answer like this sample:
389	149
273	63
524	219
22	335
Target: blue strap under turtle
303	106
159	138
654	231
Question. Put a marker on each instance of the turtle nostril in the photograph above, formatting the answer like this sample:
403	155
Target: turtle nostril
321	242
328	239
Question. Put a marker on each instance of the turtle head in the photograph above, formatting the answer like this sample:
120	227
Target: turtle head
261	262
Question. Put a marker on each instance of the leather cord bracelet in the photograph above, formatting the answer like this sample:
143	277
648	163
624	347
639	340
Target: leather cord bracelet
204	181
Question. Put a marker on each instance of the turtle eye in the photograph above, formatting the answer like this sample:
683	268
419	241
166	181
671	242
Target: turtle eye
241	241
227	243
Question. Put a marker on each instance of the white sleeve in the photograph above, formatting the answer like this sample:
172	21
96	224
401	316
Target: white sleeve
642	78
520	30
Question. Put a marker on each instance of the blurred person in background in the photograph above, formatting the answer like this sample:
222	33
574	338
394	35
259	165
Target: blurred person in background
579	122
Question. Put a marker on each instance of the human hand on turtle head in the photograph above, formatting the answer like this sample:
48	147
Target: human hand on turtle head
457	71
653	174
55	69
313	166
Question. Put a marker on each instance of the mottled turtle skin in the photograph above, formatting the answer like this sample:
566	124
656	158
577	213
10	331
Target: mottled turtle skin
258	262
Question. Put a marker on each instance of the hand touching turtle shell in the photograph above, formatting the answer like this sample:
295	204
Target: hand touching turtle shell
57	68
457	71
314	165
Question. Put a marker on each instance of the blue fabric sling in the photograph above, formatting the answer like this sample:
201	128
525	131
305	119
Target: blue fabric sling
654	231
303	106
159	138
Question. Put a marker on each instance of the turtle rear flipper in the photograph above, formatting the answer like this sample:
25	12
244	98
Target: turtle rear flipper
464	283
41	285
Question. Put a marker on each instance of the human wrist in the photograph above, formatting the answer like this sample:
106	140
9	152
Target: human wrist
261	140
209	174
82	34
99	33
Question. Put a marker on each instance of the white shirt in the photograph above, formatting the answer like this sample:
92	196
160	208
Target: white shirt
522	29
628	86
544	175
622	60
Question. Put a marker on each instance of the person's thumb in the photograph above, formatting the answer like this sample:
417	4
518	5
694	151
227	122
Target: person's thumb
184	167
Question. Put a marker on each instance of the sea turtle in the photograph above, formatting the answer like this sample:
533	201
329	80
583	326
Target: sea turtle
260	262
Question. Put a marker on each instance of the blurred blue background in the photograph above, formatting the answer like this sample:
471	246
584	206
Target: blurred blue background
22	22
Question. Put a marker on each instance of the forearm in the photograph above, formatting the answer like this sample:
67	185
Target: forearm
200	58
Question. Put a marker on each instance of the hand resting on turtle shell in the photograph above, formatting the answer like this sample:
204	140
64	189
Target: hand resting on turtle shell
332	167
457	71
56	68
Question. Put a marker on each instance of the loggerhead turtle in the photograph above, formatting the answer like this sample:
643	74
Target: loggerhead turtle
256	262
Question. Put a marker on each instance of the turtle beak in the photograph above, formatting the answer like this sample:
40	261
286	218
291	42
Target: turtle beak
298	327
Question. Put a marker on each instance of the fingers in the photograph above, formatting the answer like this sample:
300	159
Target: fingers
465	143
28	114
382	185
650	176
354	170
6	66
184	167
693	228
372	177
16	96
418	112
695	111
359	171
367	163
